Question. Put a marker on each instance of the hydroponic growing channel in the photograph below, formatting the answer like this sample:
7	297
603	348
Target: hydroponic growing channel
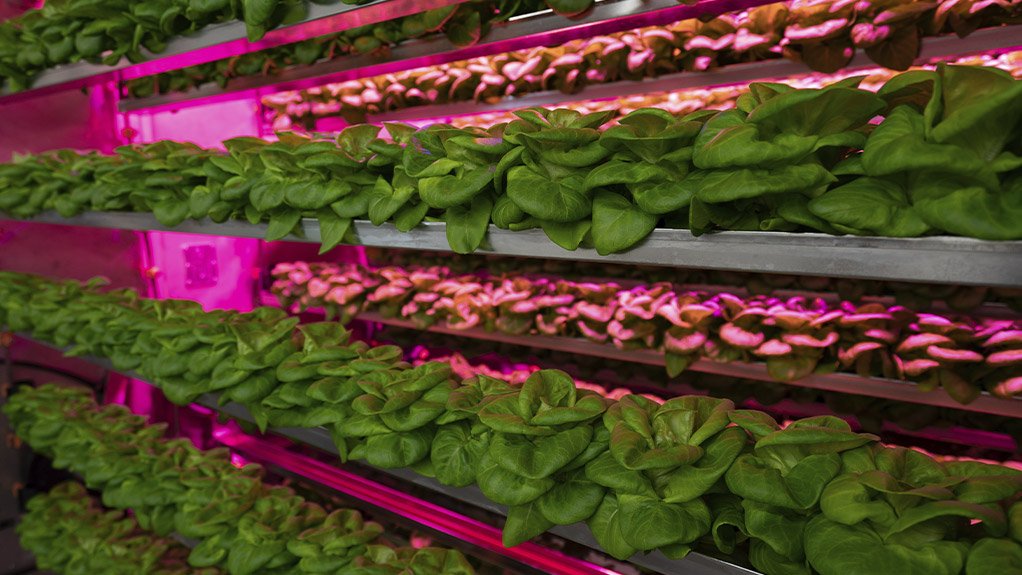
581	287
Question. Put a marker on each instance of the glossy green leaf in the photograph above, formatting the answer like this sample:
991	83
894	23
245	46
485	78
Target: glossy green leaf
647	523
563	200
606	527
523	523
618	224
467	225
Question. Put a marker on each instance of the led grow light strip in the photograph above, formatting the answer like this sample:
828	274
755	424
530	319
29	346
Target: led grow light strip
428	514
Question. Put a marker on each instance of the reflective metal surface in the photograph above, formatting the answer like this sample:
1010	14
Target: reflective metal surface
938	259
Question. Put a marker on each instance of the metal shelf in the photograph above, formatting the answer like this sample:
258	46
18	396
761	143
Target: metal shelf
1001	38
938	259
223	41
319	438
540	29
837	382
883	388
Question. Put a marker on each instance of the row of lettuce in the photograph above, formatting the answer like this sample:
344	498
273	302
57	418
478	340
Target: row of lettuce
108	30
810	497
243	526
69	531
794	336
377	99
824	34
944	160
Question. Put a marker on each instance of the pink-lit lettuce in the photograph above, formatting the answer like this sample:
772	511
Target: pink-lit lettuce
795	337
823	35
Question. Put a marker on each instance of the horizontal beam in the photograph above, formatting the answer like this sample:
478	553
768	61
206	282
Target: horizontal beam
936	259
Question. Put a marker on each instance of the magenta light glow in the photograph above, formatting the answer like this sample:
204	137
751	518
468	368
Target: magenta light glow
428	514
134	394
215	271
238	461
207	126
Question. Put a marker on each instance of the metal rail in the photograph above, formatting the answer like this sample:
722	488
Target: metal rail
938	259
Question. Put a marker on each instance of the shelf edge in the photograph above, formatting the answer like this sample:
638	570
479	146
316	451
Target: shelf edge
935	259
